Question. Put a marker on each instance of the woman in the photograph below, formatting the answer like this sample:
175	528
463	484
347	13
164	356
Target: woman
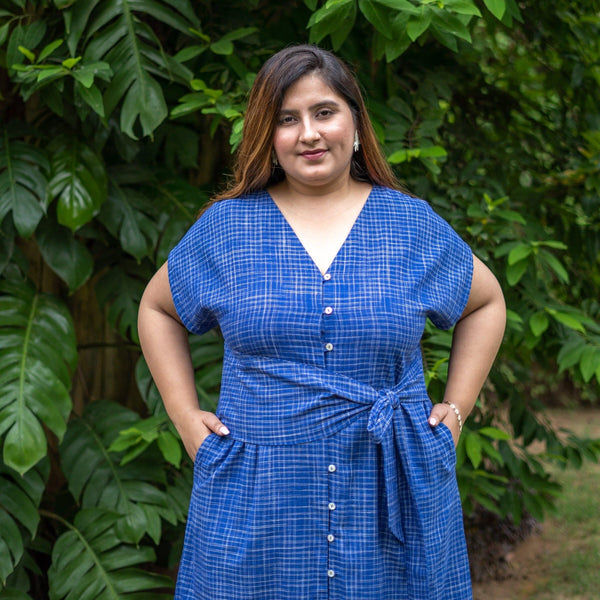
326	472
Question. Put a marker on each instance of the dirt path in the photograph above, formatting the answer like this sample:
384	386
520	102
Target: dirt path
526	571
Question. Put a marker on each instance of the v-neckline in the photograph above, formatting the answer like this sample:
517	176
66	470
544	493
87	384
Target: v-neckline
292	232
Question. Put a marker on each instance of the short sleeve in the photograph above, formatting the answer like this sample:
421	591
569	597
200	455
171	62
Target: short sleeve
193	279
447	271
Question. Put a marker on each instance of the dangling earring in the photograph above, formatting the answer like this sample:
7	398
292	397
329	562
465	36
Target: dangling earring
274	159
356	142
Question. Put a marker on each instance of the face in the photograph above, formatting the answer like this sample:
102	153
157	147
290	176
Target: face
314	134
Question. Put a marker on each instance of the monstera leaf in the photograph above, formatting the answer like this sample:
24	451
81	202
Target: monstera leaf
64	254
135	492
38	355
113	32
129	214
121	288
78	181
90	562
20	497
23	183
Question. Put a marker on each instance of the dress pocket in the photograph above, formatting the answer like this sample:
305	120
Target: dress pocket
212	452
446	441
204	449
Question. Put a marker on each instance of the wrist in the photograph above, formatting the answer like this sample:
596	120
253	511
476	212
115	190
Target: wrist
457	413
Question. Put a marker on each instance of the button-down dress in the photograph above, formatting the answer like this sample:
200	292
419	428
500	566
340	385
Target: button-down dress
331	484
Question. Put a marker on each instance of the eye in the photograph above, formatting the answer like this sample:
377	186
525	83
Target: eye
325	113
286	120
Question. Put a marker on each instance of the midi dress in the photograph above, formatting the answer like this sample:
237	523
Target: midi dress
331	484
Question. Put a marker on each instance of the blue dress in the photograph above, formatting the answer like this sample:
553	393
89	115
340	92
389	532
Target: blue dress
331	485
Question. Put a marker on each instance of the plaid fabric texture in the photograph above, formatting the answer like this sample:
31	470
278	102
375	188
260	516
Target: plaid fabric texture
331	485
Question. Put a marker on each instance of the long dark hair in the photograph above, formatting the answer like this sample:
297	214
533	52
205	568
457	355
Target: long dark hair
254	169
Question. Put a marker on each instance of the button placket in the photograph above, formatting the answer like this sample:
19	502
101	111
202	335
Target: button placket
327	310
332	471
328	323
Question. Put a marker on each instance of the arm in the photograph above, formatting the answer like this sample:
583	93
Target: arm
476	340
165	346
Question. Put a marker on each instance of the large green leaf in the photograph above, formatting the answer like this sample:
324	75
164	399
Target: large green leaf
113	32
90	562
131	217
20	497
23	183
66	255
38	355
121	288
78	181
135	491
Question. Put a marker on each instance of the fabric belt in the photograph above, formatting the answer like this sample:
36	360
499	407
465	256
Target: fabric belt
275	402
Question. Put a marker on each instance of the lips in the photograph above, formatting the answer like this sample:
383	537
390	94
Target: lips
314	154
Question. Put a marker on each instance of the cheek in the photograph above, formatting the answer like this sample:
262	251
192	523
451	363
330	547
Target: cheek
282	141
343	134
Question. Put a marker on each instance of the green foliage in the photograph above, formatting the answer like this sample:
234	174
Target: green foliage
89	561
118	120
23	183
38	356
20	497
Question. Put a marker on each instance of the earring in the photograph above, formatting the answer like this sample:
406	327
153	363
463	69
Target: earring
274	159
356	142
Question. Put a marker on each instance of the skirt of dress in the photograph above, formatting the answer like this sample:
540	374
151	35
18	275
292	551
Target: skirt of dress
310	522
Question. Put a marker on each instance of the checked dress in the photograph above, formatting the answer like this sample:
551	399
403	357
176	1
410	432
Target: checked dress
331	484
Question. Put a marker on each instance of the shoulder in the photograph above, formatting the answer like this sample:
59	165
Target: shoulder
399	205
230	214
231	207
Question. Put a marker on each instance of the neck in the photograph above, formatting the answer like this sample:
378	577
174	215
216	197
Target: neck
330	194
319	204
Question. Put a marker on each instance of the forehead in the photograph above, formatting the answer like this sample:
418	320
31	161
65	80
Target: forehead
309	89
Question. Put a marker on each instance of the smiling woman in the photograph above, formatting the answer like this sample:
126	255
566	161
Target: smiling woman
314	136
326	472
314	145
254	169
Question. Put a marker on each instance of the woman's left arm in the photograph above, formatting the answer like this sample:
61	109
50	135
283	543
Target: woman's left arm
475	343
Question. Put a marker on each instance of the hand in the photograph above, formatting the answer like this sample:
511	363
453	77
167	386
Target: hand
195	426
442	413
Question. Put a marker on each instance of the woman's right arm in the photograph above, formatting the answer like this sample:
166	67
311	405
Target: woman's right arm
165	346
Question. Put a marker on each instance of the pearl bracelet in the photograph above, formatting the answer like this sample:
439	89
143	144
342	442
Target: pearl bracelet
457	413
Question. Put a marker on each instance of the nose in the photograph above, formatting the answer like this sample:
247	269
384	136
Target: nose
309	133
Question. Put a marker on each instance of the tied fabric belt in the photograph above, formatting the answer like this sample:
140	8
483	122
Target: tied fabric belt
269	401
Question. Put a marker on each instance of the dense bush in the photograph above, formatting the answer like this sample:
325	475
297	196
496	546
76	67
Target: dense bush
118	120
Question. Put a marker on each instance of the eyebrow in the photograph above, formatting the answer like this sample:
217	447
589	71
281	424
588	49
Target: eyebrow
321	104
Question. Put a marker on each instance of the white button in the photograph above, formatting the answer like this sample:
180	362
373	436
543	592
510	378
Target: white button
329	346
331	573
331	506
328	310
330	537
327	277
331	468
